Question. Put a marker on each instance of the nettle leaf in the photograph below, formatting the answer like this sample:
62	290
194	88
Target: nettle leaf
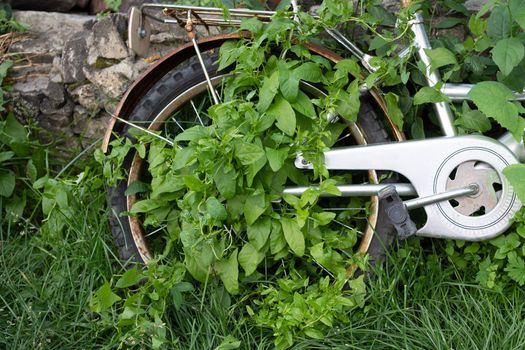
349	66
182	157
440	57
145	206
248	153
7	182
193	134
507	54
348	103
252	25
276	157
393	109
284	114
288	82
226	182
228	271
473	119
309	71
517	10
268	92
249	258
255	205
215	209
293	235
259	232
497	101
516	268
228	53
499	22
304	105
103	299
516	174
129	278
6	156
137	187
428	94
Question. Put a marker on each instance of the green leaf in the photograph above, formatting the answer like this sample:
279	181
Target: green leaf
293	235
129	278
226	182
304	105
440	57
517	10
496	101
516	175
309	71
477	25
268	92
6	156
288	82
249	258
259	232
314	333
499	22
228	271
507	54
277	240
182	157
428	94
145	206
215	209
255	205
193	134
7	182
393	109
474	120
448	22
137	187
248	153
283	113
103	299
349	66
228	53
348	103
516	268
252	25
276	158
31	171
229	343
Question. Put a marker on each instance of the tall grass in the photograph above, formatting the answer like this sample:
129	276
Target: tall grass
416	301
46	283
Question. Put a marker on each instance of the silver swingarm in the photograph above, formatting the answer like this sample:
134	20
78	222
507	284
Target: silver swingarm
430	166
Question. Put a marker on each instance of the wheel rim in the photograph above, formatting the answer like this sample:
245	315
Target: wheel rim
139	234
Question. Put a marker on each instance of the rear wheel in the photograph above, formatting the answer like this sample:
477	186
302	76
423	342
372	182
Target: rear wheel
179	101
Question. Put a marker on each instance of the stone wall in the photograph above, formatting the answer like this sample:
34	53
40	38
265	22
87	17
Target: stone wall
71	70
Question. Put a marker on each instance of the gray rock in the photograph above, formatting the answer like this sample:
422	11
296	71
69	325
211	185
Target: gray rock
474	5
87	96
112	81
52	22
44	5
105	43
74	58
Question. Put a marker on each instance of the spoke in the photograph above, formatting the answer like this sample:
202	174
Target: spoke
149	132
344	137
157	230
196	112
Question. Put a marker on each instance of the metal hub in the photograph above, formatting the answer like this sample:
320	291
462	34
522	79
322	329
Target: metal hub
488	182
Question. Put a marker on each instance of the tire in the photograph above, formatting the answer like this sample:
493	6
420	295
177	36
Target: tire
131	247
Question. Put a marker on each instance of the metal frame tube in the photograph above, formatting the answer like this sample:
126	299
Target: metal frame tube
362	190
442	109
